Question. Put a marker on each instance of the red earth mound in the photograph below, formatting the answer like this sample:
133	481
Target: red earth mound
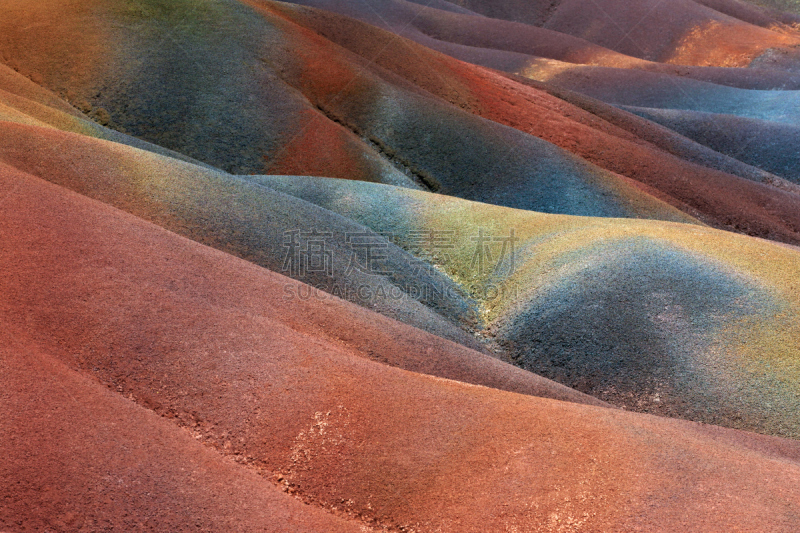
717	198
359	87
682	32
80	457
190	334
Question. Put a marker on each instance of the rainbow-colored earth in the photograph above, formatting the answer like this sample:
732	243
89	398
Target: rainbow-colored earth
395	266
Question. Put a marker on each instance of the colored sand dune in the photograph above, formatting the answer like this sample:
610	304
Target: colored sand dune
397	265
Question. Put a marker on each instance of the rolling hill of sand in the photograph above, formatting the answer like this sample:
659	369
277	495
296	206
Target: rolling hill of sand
398	265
